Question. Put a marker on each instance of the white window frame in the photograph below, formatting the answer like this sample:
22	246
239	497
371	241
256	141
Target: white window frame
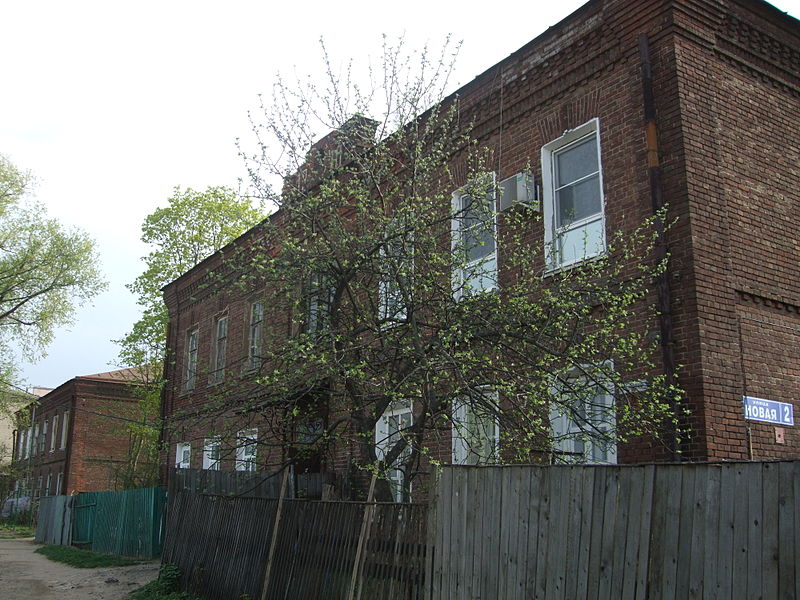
64	429
569	436
59	483
42	441
553	234
384	441
182	461
212	447
256	335
220	353
49	481
29	437
246	450
54	434
192	346
471	429
482	270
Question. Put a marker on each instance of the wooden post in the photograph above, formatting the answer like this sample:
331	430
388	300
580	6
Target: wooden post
274	543
365	522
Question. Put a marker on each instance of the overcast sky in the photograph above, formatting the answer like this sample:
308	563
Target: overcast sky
111	105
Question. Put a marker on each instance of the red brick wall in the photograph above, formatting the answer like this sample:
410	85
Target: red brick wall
97	440
726	83
100	440
738	76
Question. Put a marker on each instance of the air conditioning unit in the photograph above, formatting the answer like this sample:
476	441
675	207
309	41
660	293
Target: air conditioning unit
519	189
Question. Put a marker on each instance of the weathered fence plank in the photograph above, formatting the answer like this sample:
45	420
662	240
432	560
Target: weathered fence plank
739	547
786	522
725	532
621	524
585	536
534	510
769	563
699	517
633	501
648	488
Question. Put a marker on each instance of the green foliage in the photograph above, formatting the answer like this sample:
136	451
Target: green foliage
46	271
83	559
366	219
165	587
16	527
193	225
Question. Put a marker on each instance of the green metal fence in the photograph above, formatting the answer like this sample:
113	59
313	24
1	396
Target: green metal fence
128	522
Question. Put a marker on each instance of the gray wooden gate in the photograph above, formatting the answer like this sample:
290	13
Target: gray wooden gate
54	525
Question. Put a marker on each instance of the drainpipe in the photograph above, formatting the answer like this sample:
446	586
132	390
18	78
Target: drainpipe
657	200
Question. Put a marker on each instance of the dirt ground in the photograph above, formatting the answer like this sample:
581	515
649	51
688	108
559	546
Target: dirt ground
28	576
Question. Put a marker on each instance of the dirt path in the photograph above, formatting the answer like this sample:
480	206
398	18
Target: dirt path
28	576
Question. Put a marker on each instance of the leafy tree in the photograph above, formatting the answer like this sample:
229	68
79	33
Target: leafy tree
46	272
194	225
386	307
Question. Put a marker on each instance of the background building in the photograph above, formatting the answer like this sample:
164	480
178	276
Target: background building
77	435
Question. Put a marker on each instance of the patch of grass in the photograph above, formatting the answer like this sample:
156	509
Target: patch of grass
83	559
7	531
163	588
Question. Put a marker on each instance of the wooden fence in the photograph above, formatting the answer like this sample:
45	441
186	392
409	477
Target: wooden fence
221	544
127	523
244	483
728	530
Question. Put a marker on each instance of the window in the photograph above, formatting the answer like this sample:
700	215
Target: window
64	429
395	270
583	419
47	488
54	434
320	296
476	435
220	350
38	490
256	335
211	453
246	444
573	197
35	440
183	455
27	448
59	482
190	376
42	440
390	428
474	237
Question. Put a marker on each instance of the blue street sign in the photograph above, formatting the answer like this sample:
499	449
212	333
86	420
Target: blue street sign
769	411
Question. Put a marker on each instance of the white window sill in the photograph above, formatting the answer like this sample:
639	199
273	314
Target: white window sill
555	270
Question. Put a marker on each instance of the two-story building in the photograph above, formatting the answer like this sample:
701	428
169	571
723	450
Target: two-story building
623	107
76	436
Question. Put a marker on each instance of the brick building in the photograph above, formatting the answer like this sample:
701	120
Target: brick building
76	436
693	104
